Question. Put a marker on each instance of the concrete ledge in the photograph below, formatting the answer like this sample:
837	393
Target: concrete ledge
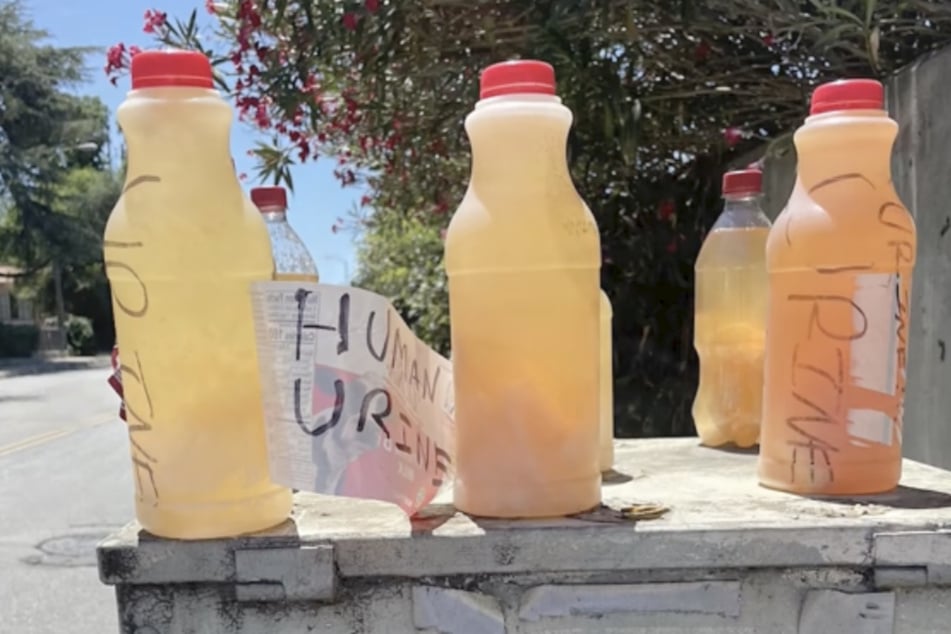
833	612
719	519
698	597
450	611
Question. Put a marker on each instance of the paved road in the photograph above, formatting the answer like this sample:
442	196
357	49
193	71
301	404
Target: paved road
65	483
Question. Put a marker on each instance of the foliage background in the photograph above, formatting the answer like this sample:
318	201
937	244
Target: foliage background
56	186
666	94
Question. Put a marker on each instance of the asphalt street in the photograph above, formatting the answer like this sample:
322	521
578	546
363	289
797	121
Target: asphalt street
65	483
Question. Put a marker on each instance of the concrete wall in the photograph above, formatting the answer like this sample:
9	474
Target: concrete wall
917	97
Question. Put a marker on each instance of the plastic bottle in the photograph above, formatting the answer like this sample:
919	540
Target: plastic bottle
730	316
606	390
523	258
840	259
182	246
292	261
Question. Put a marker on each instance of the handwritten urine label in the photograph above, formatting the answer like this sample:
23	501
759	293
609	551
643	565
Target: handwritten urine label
355	405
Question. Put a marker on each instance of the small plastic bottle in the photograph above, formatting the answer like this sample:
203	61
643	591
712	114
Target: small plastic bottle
730	316
292	260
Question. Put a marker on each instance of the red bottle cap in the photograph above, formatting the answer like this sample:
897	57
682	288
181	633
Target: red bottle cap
269	197
155	69
848	94
518	76
748	181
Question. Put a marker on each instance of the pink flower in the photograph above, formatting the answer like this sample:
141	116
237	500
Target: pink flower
769	40
154	20
134	50
365	200
732	136
115	57
372	5
210	6
350	20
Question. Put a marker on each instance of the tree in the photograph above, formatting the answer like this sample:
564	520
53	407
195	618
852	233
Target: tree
48	227
665	95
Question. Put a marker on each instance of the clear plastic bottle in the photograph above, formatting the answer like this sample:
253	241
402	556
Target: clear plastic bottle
606	399
292	260
182	247
730	316
840	259
523	257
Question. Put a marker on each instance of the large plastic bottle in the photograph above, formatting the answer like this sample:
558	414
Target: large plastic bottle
606	389
840	259
730	316
182	247
523	258
292	260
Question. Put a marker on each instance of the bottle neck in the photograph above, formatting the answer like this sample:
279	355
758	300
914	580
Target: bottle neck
178	134
845	145
519	141
743	199
274	214
742	210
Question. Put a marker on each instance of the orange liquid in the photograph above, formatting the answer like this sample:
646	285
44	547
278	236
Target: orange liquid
522	254
840	260
729	335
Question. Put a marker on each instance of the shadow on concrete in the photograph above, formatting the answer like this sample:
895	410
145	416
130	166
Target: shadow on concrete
731	448
612	477
903	497
19	398
431	518
23	367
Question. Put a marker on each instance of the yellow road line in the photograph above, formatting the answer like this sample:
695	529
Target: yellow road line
40	439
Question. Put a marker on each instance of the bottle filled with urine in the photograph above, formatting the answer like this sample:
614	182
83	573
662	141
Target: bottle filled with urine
523	258
840	259
182	249
730	286
292	260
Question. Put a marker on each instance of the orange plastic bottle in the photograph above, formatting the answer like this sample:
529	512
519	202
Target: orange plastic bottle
182	247
523	257
730	317
292	261
840	259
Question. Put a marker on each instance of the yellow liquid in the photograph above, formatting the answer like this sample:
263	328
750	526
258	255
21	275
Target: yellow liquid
729	335
840	259
182	247
522	254
606	387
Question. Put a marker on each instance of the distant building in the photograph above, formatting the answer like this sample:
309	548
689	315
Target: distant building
14	308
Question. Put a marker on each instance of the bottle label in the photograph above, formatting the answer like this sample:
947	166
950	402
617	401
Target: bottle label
835	367
874	358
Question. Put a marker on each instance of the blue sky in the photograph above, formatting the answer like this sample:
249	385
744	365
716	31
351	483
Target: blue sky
318	198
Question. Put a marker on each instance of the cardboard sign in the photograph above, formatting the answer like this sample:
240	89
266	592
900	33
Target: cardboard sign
355	405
